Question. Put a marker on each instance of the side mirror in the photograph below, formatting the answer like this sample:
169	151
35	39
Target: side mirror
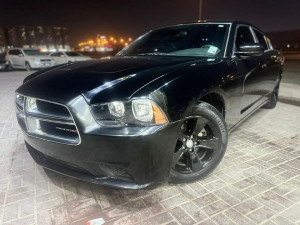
251	49
62	56
21	55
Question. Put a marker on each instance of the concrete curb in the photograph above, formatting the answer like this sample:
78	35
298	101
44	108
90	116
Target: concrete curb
289	93
289	100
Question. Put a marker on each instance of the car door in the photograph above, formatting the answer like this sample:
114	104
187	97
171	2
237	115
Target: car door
20	58
250	69
270	64
55	57
64	58
12	57
58	57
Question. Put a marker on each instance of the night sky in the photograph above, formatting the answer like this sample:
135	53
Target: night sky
86	18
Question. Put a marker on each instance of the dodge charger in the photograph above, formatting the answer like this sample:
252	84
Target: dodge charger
158	111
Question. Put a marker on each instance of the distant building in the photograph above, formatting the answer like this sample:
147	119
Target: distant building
3	39
46	38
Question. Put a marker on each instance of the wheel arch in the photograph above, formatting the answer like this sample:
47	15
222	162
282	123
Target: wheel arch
27	62
10	61
216	98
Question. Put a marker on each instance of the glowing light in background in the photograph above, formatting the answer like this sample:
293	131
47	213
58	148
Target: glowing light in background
103	43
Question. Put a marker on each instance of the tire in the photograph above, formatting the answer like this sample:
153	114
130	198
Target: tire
27	66
272	99
209	144
9	67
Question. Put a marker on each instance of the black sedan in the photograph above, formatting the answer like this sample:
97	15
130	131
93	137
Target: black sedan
160	110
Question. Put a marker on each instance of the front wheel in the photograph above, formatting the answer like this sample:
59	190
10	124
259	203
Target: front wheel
27	66
200	146
9	67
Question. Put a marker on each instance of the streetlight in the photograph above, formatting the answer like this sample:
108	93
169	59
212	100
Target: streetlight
200	11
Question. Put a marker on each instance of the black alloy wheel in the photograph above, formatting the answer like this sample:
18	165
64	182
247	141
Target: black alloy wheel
200	146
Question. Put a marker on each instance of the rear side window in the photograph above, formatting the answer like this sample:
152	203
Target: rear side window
261	39
243	36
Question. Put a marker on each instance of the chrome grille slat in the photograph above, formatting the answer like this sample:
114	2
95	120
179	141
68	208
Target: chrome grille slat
51	118
48	115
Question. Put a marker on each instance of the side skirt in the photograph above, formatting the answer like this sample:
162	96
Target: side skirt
247	116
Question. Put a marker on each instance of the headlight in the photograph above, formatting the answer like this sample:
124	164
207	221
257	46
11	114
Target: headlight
19	101
31	104
142	111
116	109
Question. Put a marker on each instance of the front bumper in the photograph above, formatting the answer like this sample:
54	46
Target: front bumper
119	161
3	66
125	157
41	65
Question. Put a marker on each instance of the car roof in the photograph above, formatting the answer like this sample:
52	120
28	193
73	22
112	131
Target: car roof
22	49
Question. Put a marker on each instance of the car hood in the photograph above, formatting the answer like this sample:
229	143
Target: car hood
78	58
113	78
39	56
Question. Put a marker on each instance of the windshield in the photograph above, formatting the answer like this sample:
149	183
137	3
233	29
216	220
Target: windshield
73	54
206	40
33	52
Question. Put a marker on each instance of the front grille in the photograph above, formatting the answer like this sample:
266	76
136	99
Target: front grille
64	131
66	164
45	60
49	108
118	172
108	172
49	121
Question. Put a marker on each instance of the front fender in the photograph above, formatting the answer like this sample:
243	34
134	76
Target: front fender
180	90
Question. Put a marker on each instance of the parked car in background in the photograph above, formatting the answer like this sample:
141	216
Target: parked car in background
28	59
4	65
161	110
67	57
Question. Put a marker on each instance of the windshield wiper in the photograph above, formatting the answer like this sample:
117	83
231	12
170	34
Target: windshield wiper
155	53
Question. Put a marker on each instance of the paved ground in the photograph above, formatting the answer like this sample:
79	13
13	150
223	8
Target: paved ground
292	72
290	85
257	181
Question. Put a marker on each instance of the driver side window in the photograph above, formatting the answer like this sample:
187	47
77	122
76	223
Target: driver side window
243	36
56	54
19	52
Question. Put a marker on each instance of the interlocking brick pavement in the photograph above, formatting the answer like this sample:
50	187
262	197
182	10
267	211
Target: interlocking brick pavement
257	182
